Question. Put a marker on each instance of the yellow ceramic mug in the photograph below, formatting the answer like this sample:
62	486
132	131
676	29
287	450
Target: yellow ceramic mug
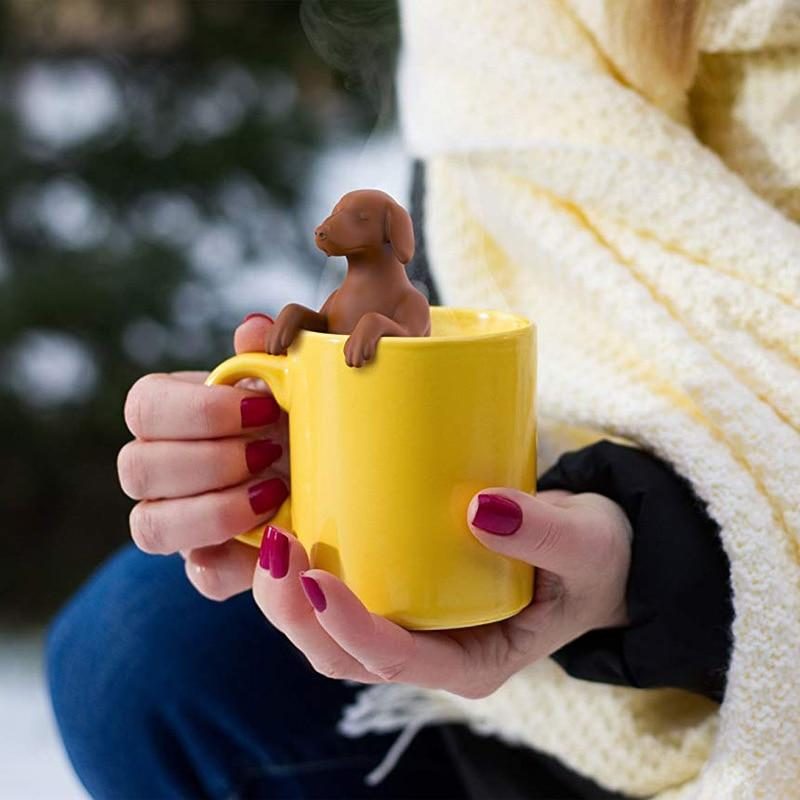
385	458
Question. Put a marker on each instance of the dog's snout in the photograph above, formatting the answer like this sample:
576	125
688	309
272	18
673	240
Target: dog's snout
320	233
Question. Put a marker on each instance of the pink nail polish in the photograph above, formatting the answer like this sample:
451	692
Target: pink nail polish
261	410
267	495
263	551
278	553
497	514
259	455
258	314
314	592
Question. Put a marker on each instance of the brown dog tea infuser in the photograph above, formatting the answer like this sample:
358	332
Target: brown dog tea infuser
376	298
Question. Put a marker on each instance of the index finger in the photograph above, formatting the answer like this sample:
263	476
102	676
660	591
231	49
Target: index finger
161	406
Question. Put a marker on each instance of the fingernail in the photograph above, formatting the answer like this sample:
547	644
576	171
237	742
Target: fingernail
258	314
314	592
278	553
267	495
261	410
261	454
497	514
263	551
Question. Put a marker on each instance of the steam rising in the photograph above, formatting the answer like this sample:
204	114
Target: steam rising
359	39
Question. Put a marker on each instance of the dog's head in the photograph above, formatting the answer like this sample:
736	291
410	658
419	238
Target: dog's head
365	221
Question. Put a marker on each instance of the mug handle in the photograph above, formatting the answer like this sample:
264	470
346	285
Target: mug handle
274	371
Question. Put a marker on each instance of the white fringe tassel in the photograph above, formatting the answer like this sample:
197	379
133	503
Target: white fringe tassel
388	707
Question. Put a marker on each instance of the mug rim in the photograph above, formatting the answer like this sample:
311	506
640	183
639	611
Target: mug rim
518	325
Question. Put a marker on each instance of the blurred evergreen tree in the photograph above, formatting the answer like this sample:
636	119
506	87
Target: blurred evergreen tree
141	143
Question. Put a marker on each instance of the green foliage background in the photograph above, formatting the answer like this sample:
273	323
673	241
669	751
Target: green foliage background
223	100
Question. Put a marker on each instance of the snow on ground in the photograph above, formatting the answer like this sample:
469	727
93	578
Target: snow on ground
32	762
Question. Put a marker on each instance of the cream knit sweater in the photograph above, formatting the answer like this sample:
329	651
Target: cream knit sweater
659	255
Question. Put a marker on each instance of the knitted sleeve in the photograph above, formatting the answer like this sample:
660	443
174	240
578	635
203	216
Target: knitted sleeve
678	594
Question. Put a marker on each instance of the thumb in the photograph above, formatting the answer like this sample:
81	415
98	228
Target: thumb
540	530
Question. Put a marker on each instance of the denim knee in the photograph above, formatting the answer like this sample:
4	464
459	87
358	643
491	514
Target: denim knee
112	672
160	693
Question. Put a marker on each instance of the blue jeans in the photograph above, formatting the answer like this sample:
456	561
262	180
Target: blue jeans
160	693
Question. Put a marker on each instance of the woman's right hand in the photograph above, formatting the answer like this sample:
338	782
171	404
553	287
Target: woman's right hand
207	463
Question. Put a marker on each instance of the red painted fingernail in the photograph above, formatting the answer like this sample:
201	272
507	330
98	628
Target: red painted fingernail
497	514
260	410
258	314
261	454
314	592
278	553
263	551
267	495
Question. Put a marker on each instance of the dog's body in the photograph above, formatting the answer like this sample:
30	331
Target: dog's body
376	297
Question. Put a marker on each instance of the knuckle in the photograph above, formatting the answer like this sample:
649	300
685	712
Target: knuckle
222	517
470	694
477	691
147	534
222	471
607	551
132	471
336	668
388	672
209	412
614	540
548	538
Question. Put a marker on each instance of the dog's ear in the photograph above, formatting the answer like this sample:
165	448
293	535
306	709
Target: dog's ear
399	232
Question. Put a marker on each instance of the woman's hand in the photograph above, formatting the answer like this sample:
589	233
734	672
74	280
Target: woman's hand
579	543
207	463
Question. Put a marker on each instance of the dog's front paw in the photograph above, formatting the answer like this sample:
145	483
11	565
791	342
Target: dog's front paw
359	348
284	330
279	337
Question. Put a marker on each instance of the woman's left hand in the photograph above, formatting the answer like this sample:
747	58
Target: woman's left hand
579	543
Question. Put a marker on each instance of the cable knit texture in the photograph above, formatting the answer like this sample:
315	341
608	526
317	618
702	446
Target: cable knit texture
660	261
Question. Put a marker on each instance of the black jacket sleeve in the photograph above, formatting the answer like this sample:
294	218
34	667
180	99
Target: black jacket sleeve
678	593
